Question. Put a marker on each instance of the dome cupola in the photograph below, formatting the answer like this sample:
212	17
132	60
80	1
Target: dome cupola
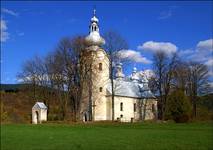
134	77
94	38
119	73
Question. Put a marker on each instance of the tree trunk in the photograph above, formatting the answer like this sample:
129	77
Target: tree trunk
113	94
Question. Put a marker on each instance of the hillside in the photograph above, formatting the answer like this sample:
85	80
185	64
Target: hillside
12	87
17	101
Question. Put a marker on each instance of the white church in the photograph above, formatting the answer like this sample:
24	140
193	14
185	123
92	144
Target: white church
133	100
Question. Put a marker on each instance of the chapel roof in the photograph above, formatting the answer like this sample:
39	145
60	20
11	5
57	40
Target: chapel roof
41	105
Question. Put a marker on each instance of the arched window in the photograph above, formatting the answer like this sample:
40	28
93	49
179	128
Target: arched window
100	67
121	106
135	107
95	28
100	89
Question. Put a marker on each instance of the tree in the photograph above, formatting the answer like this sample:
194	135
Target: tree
163	66
180	74
67	73
114	43
61	73
177	107
197	82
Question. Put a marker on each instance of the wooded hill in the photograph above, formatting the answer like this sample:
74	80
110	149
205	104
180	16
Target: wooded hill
17	101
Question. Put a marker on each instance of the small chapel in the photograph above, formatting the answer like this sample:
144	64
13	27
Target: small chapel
133	100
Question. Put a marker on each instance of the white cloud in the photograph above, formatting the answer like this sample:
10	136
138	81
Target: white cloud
4	33
209	62
10	12
202	53
186	52
205	45
154	47
133	56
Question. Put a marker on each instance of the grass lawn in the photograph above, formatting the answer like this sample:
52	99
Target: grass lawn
99	136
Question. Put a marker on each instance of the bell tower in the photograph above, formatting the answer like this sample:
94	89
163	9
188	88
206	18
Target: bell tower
95	62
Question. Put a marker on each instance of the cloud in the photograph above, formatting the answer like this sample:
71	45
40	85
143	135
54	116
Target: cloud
4	33
133	56
209	62
202	53
10	12
165	15
205	45
186	52
154	47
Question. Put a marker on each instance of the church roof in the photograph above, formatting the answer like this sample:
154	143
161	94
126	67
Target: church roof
128	88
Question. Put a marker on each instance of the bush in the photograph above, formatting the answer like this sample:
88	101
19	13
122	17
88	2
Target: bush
177	107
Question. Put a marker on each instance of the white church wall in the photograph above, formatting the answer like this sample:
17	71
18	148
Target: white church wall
100	81
128	108
100	78
150	107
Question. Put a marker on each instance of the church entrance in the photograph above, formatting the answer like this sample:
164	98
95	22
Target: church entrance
37	116
85	117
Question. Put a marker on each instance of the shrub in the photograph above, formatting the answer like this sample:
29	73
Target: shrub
177	107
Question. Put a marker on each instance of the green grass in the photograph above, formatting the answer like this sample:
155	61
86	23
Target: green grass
139	136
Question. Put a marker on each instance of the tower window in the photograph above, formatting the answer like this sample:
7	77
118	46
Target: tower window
153	108
100	66
134	107
121	106
100	89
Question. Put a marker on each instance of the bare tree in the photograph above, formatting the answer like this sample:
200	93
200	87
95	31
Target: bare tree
33	74
114	43
163	68
180	74
61	73
197	82
70	72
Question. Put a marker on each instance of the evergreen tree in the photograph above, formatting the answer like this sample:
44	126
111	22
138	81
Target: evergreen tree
178	107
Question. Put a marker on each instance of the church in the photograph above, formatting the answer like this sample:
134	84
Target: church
133	100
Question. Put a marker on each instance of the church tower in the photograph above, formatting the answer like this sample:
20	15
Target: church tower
95	64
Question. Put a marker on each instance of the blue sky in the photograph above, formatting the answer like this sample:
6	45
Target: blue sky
34	28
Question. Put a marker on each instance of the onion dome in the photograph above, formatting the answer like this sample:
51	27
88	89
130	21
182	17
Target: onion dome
119	73
134	77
